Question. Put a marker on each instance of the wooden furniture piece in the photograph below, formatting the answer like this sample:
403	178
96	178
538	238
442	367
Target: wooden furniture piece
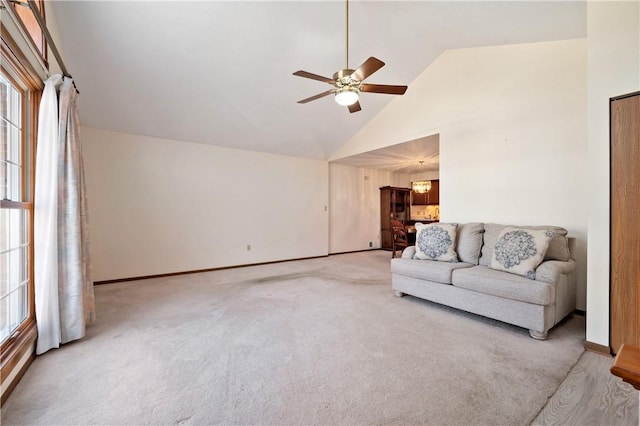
411	232
624	273
395	204
400	237
428	198
627	365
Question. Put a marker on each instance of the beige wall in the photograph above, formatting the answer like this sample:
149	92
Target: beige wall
513	142
613	34
434	174
159	206
354	193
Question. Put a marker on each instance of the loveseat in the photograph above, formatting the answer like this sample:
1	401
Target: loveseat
479	278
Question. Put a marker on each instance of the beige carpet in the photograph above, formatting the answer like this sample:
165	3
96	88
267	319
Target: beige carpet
319	341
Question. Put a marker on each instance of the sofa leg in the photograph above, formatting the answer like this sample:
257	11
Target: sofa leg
538	335
397	293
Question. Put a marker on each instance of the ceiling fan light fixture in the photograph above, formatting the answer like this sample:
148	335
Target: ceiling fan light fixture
347	96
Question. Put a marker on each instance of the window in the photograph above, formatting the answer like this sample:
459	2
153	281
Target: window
30	24
20	92
15	211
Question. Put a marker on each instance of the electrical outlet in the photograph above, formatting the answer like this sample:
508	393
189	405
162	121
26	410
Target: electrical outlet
370	243
248	247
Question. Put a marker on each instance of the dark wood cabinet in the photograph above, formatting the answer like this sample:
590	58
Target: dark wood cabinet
625	228
433	196
418	199
395	204
429	198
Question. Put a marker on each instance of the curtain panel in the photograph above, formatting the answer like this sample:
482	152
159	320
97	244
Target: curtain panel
63	286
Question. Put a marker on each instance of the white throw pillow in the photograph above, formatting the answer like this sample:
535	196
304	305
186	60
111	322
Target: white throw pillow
520	251
436	242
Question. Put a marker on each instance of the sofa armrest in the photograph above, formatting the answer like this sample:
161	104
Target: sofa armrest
409	252
549	270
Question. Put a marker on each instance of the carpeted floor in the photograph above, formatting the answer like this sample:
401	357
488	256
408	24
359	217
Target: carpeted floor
320	341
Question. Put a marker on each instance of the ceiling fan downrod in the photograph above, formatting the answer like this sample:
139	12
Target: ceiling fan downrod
346	50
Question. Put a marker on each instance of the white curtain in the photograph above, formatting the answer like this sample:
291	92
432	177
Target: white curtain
63	286
45	234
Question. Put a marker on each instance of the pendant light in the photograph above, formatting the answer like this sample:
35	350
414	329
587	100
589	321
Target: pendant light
421	186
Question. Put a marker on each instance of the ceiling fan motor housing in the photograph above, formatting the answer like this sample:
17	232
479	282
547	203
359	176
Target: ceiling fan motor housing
344	78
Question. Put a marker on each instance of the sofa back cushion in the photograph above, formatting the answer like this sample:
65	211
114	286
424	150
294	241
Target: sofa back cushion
469	242
558	246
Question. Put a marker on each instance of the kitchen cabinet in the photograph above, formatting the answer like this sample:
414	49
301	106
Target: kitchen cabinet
395	204
429	198
418	199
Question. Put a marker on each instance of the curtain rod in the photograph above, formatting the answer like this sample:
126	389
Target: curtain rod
31	4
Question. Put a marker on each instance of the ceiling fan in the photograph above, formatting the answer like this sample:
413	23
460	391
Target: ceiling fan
348	83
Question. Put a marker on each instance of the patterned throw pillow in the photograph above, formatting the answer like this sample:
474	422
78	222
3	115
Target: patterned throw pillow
520	251
436	242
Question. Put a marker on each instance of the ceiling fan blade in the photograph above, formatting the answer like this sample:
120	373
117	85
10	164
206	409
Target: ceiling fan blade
384	88
354	107
318	96
367	68
313	76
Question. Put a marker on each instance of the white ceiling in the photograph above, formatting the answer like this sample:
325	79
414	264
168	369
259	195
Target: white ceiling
221	72
420	155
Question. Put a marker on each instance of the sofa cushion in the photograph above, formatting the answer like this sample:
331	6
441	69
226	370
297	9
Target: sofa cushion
559	244
558	247
436	242
520	251
469	242
430	270
489	239
503	284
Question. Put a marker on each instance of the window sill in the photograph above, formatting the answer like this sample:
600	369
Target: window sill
13	350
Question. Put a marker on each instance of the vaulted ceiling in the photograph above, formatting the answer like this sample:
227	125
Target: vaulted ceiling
221	72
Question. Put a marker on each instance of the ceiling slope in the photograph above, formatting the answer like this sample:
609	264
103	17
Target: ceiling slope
221	72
